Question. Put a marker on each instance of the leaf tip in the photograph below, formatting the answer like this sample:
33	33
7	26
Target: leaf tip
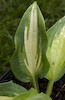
35	2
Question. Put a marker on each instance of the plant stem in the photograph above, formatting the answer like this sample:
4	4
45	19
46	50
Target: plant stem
49	87
35	83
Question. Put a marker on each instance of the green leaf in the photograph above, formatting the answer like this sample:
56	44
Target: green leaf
56	50
29	58
5	98
41	96
11	89
45	67
27	95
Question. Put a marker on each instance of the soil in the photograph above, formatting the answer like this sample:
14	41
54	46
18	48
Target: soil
58	92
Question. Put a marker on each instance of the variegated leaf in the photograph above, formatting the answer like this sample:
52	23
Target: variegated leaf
56	50
30	46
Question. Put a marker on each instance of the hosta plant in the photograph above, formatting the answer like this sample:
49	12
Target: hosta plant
37	54
29	60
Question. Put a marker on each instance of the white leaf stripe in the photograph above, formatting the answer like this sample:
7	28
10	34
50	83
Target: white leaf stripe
31	42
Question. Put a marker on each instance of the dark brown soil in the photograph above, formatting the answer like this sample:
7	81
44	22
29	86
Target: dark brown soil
58	92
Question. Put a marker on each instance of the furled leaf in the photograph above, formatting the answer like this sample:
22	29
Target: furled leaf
41	96
29	58
56	50
27	95
11	89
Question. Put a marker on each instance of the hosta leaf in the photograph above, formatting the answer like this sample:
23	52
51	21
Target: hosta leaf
56	50
5	98
30	46
11	89
27	95
41	96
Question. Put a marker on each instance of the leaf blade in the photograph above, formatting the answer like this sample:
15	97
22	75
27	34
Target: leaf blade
28	56
27	95
11	89
41	96
55	52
